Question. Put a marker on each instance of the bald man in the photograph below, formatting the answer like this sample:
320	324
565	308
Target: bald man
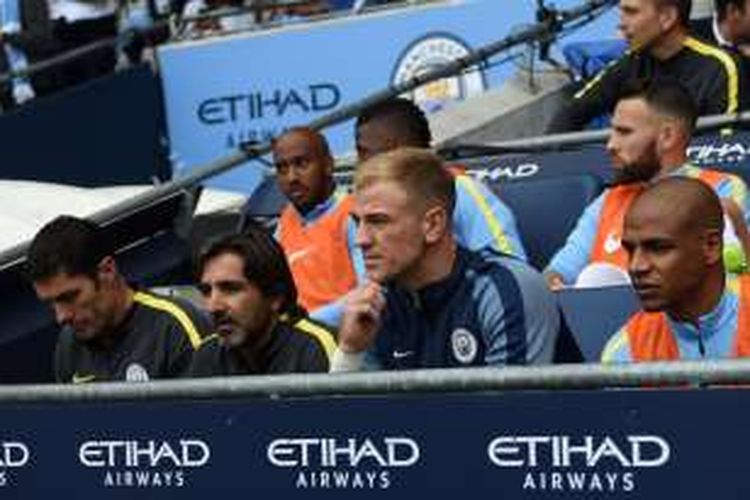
315	228
691	308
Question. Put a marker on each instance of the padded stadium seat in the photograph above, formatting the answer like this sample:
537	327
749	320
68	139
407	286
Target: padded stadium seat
546	210
266	201
593	315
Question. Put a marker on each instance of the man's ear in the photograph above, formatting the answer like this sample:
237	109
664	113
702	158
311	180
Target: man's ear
330	164
672	135
713	246
668	134
107	268
668	17
435	223
277	303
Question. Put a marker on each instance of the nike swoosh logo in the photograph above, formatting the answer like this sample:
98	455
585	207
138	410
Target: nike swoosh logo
294	256
611	244
402	354
82	379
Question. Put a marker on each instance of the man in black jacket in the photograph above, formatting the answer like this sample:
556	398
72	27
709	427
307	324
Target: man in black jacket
660	45
110	329
248	289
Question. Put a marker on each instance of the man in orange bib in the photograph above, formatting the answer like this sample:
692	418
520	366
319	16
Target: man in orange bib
315	228
651	130
691	308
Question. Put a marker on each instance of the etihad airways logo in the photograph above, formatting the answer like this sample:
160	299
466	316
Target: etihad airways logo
501	173
612	243
719	152
585	463
13	455
145	463
353	463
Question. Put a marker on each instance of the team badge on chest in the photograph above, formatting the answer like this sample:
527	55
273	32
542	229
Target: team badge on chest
465	346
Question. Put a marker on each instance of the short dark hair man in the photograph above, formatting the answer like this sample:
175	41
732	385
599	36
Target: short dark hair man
651	130
249	291
691	308
110	331
658	34
729	27
480	218
431	303
733	23
315	228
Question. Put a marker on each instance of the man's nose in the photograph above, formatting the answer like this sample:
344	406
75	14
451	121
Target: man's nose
362	237
214	301
638	263
611	144
294	173
63	314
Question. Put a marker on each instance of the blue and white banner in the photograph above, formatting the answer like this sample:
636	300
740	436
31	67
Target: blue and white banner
618	444
727	152
222	92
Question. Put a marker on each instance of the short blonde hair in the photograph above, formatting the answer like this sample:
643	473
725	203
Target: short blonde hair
419	172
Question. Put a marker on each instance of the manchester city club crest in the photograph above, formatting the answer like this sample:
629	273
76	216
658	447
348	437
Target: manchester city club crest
136	373
432	51
464	344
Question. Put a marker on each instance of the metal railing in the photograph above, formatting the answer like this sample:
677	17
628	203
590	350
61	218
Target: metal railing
577	139
559	377
556	377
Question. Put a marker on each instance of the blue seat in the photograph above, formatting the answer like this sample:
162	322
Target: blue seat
546	210
593	315
266	201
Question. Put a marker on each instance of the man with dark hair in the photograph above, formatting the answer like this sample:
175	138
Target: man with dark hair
431	303
691	308
651	130
110	331
315	228
730	25
658	34
480	219
260	329
396	122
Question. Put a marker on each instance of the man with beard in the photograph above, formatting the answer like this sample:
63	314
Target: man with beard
660	46
431	303
651	130
249	291
691	308
110	330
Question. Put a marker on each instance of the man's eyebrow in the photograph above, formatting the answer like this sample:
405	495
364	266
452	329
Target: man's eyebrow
222	283
64	295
